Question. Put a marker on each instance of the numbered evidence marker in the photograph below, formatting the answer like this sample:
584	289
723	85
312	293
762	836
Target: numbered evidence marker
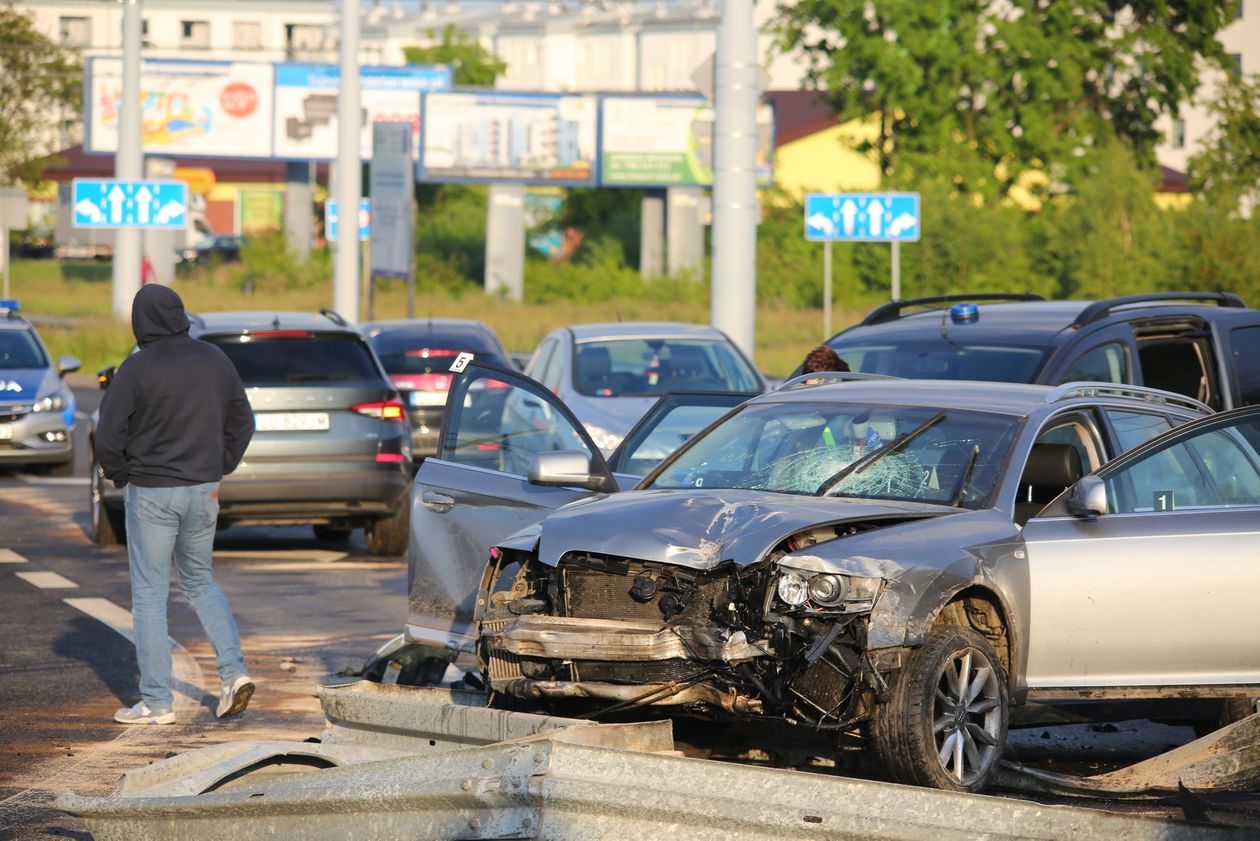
1165	501
461	362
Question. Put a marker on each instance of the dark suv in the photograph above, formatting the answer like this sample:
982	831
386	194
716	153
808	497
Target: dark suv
332	445
1205	345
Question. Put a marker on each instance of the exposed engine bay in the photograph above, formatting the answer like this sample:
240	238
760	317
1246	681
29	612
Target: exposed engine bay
752	641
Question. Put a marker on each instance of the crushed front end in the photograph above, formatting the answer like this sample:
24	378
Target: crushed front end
620	633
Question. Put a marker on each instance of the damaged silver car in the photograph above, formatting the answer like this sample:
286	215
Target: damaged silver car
878	557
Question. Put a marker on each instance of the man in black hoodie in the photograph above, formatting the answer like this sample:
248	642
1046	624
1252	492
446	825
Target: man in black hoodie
173	421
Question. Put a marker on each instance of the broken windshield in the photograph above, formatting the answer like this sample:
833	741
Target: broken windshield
811	449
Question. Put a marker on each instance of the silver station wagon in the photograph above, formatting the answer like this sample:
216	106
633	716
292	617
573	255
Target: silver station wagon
901	560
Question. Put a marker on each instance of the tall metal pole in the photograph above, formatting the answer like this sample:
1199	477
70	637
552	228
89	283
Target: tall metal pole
736	78
826	290
896	271
128	162
349	167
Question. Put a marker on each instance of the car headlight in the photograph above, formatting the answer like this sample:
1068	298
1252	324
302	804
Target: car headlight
605	440
793	590
827	589
51	403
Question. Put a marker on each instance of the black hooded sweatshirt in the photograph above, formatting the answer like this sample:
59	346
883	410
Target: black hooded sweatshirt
176	412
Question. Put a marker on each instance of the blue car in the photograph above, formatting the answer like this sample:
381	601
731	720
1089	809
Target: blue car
36	406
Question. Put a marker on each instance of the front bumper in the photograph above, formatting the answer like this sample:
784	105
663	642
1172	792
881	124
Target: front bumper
36	438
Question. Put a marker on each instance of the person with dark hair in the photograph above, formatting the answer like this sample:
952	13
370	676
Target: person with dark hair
822	359
174	420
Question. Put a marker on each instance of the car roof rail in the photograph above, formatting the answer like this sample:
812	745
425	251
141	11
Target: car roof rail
1067	391
891	311
1101	309
334	316
830	378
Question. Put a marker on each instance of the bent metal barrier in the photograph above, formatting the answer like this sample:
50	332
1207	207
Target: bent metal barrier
424	763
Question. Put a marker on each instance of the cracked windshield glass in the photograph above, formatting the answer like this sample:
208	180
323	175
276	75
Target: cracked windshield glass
852	450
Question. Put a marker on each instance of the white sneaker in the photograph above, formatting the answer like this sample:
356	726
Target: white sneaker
234	697
141	714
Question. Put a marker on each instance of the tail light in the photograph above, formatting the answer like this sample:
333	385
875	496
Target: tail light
422	382
390	410
389	458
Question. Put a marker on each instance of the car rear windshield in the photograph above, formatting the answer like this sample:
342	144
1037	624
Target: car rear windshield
433	351
943	360
18	349
952	457
296	357
648	367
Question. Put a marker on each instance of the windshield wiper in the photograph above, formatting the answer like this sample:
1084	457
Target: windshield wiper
875	455
966	477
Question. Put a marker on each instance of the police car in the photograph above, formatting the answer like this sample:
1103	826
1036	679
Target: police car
36	406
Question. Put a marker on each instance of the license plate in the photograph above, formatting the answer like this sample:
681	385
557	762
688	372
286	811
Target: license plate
428	398
291	422
6	432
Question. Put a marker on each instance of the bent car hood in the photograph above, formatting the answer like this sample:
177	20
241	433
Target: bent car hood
700	529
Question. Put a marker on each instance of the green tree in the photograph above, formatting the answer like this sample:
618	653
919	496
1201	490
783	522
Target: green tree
1228	166
471	63
964	89
42	82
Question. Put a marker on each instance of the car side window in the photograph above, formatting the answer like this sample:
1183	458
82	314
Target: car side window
500	424
1107	363
1245	344
552	374
540	359
1215	468
1134	428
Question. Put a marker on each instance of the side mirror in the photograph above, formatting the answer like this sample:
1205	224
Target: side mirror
105	376
563	468
68	365
1087	498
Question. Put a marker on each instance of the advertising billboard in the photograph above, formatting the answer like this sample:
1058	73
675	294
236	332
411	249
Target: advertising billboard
306	105
667	141
533	138
202	108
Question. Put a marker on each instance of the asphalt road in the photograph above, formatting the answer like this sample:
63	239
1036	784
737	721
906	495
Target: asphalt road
305	610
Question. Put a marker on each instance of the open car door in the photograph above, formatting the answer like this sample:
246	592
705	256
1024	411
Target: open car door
671	422
476	491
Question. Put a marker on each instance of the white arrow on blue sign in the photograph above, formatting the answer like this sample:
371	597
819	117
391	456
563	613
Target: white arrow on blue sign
365	219
112	203
862	217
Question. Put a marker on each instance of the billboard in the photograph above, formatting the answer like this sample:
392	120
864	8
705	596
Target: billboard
534	137
666	141
306	105
392	186
202	108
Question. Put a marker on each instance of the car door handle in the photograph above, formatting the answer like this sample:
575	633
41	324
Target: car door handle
437	501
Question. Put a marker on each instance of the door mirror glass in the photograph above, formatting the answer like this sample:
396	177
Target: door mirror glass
68	365
563	468
1088	498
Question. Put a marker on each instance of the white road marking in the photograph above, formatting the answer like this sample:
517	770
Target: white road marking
8	556
47	580
322	556
107	613
186	671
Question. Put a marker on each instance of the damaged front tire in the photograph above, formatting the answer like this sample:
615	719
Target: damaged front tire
944	721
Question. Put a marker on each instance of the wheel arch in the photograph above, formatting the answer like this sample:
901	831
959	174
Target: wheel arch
982	609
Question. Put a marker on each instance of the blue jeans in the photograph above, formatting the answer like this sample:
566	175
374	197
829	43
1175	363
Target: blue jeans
178	523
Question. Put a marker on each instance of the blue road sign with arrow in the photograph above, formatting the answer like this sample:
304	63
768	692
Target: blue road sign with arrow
111	203
365	219
862	217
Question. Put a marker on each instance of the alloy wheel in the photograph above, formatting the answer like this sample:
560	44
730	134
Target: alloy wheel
967	715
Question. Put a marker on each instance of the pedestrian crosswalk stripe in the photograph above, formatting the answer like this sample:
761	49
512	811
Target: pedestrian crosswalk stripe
47	580
107	613
8	556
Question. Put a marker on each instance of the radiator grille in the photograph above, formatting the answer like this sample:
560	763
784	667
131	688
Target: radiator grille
605	594
639	672
823	686
503	665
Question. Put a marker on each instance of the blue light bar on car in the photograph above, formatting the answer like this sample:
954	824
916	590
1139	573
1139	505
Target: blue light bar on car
9	306
964	313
